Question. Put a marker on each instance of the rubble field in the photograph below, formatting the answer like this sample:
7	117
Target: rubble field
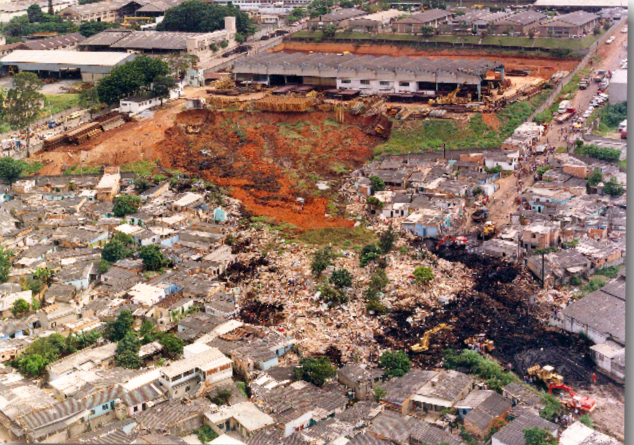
542	67
269	160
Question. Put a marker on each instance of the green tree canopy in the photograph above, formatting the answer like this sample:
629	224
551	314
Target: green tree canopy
125	205
127	355
377	184
128	359
130	78
321	260
197	16
20	306
118	328
152	257
162	85
24	102
613	187
34	13
114	251
387	239
595	178
341	278
91	28
5	264
172	344
369	253
89	98
10	169
315	370
539	436
396	363
423	274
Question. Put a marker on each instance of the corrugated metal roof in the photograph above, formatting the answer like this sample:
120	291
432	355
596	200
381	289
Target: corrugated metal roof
84	58
582	3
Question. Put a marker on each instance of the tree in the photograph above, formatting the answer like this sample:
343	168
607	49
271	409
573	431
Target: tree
148	332
205	434
423	274
369	253
91	28
377	184
613	188
162	85
197	16
128	360
125	205
172	344
127	355
531	34
585	419
552	407
120	327
43	274
396	363
222	397
153	258
595	178
114	251
329	30
321	260
89	98
427	31
130	78
374	202
538	436
387	239
379	392
20	306
315	370
341	278
596	31
33	365
34	13
10	169
333	296
23	103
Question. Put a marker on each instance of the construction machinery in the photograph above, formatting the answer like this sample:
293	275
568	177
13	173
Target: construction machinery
458	241
128	20
480	342
585	404
446	100
480	215
489	230
546	374
423	344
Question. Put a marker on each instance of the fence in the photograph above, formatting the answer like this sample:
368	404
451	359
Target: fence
591	53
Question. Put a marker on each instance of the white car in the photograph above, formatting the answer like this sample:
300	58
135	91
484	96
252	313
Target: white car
587	114
624	30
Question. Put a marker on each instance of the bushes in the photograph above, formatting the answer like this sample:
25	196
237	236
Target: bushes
396	363
314	370
610	272
602	153
486	369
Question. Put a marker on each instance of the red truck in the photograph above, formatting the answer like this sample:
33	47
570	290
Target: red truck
563	117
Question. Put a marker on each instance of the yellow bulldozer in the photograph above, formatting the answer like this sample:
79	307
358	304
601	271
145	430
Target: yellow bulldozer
546	374
423	344
480	341
489	230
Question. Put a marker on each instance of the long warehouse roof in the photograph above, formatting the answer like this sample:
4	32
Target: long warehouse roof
582	3
84	58
355	62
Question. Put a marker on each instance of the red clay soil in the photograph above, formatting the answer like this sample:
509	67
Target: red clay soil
276	162
543	67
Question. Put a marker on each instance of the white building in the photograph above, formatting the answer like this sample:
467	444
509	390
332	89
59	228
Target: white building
618	87
146	295
578	434
185	376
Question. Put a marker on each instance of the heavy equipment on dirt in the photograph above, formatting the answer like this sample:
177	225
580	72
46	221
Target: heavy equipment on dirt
480	215
585	404
489	230
480	341
458	241
423	344
546	374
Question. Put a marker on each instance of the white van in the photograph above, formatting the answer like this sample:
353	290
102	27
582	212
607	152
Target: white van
623	125
563	106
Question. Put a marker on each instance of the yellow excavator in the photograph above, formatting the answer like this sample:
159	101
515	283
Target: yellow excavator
546	374
423	344
445	100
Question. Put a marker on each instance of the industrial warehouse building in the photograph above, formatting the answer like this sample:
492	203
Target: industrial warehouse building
90	66
367	74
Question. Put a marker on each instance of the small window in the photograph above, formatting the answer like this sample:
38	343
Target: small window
136	408
404	84
104	407
346	81
384	83
365	82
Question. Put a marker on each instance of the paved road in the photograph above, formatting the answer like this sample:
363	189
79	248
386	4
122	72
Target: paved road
611	60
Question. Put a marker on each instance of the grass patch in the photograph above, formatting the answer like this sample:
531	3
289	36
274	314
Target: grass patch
290	134
85	170
141	168
59	102
485	368
610	272
338	236
31	167
561	150
622	163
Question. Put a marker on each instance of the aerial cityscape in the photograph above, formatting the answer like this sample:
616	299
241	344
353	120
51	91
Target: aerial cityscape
313	222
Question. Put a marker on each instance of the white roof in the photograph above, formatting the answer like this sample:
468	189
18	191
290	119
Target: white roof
105	58
582	3
247	414
619	76
107	181
141	380
578	433
188	199
128	229
225	440
146	294
207	360
195	349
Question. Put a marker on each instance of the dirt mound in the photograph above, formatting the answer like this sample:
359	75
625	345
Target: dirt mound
543	67
269	160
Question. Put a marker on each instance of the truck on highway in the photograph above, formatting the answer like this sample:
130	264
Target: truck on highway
563	117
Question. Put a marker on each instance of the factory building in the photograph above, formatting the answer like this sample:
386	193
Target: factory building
367	74
89	66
